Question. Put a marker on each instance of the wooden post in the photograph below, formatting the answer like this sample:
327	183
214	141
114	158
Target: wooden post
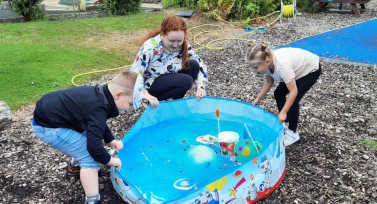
355	9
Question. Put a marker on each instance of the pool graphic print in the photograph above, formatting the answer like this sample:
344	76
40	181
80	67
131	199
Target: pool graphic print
163	162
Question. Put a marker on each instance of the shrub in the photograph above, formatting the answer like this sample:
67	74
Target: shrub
306	5
29	9
206	5
122	7
179	3
251	8
236	9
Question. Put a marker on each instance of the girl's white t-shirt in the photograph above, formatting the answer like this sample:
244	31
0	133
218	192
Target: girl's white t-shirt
293	63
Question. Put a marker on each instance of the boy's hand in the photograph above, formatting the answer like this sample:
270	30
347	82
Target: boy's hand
115	162
117	145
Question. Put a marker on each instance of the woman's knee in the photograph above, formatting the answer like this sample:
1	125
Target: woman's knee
193	69
194	65
186	81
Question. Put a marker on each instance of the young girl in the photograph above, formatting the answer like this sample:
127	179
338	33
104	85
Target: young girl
167	66
295	69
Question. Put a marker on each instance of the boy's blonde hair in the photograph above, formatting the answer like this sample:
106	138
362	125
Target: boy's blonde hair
258	54
124	82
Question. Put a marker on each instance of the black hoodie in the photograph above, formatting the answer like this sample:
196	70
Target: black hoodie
84	108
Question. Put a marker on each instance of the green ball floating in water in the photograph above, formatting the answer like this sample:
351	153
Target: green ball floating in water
245	150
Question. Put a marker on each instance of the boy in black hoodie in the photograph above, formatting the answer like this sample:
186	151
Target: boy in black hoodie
74	122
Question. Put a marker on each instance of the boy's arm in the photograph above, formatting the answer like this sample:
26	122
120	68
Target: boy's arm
108	136
95	135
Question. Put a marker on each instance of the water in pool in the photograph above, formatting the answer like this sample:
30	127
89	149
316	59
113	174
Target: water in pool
164	162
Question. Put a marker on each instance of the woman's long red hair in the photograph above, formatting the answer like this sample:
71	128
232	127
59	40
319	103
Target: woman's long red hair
172	23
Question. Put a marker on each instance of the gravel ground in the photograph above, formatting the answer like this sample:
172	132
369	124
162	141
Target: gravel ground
328	165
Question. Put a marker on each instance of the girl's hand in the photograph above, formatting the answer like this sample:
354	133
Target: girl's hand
256	102
200	93
117	145
151	99
282	116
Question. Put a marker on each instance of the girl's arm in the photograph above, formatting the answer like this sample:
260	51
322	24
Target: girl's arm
202	79
140	66
265	89
290	100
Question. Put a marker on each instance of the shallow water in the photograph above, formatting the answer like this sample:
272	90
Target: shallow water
159	162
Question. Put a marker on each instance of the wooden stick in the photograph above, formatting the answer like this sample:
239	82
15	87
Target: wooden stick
218	121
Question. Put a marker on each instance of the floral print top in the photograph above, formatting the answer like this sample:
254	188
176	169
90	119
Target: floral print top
154	60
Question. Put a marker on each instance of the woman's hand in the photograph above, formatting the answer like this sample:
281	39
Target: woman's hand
200	93
282	116
151	99
116	145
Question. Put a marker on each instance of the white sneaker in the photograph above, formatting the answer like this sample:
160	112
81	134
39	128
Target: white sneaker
290	137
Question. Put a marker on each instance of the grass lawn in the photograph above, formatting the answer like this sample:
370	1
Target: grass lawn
39	57
371	143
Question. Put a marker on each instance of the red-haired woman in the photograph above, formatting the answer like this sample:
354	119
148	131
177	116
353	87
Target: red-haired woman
167	66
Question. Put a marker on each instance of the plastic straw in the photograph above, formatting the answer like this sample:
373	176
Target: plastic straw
248	132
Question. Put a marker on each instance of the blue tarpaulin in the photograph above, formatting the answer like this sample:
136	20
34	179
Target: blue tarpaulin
356	43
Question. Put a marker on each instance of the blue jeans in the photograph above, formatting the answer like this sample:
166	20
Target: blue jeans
67	141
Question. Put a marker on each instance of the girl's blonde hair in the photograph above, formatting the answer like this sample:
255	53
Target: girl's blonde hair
258	54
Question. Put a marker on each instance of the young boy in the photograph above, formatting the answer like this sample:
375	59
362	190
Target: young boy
74	122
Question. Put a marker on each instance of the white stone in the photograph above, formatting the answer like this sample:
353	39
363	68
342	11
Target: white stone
5	115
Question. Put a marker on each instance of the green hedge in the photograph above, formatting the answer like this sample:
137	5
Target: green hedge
122	7
179	3
29	9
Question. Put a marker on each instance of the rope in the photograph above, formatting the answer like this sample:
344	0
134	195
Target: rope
97	71
209	45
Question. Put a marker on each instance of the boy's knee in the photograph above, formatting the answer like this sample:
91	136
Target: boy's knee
88	163
95	167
